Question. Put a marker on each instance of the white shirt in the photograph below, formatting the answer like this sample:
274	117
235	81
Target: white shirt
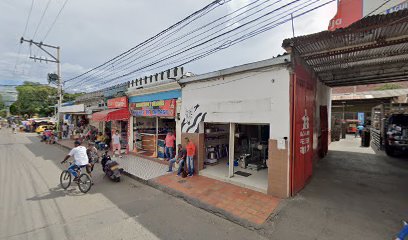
116	139
79	155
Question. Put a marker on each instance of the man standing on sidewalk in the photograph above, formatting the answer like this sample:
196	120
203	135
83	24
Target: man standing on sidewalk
169	149
190	156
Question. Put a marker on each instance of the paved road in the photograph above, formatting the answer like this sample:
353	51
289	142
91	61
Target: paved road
354	194
33	206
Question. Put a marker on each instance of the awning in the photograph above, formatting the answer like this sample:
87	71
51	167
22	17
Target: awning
111	115
372	50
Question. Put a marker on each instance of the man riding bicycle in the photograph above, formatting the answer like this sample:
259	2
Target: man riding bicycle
80	158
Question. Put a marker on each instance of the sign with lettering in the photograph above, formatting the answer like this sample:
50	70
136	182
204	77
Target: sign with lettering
120	102
161	108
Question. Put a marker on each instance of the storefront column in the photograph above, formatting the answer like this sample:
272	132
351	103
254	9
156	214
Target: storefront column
231	150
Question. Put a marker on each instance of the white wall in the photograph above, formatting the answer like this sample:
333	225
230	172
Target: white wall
323	97
257	96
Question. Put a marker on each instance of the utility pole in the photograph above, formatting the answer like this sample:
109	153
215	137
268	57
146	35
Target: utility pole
54	59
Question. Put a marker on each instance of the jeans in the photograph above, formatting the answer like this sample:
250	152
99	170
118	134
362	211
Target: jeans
72	169
190	165
169	152
181	165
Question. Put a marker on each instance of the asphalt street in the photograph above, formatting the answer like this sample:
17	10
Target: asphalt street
33	206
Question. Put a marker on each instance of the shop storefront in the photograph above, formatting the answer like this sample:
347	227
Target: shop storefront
153	116
240	121
116	118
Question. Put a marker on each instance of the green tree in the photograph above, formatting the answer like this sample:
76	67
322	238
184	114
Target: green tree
2	105
35	98
71	96
388	86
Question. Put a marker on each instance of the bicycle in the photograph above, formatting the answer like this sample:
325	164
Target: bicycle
84	180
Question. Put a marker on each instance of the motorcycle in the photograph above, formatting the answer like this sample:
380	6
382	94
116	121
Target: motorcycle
111	167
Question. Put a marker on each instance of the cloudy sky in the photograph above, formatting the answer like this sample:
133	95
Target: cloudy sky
90	32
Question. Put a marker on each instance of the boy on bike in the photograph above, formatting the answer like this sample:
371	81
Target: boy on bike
80	159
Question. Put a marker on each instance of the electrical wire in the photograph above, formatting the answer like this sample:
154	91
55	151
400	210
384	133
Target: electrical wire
159	44
187	49
24	32
41	19
219	2
223	41
223	46
55	20
381	5
192	46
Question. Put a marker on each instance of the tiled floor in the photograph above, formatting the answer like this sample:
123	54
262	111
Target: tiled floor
238	201
258	180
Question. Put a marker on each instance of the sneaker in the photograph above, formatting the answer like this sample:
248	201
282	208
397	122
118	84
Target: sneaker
120	156
169	171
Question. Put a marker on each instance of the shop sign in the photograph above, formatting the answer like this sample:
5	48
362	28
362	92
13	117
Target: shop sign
120	102
305	135
161	108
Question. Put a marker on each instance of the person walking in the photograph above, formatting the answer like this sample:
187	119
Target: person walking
65	130
190	156
169	148
116	143
180	159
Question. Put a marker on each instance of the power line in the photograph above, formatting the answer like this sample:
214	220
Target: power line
259	30
381	5
146	51
192	46
226	44
55	20
24	32
41	19
208	36
219	2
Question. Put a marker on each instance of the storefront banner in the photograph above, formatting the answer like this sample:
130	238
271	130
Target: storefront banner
120	102
161	108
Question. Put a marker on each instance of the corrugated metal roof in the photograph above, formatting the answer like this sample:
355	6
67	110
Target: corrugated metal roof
372	50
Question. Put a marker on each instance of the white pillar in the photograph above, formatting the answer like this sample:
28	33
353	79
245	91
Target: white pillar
231	150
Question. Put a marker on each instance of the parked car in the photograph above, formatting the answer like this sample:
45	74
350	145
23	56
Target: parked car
42	128
396	137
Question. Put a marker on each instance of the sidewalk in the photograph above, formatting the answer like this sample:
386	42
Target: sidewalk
241	205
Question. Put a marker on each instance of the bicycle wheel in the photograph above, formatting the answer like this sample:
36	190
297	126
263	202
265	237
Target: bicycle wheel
65	179
84	183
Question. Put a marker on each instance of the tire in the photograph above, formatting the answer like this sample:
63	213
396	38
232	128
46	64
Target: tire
117	179
84	183
65	179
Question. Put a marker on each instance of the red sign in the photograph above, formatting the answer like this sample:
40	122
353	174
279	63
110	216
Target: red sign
120	102
161	108
348	12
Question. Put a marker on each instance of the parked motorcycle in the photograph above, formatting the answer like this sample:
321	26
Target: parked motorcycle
111	167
